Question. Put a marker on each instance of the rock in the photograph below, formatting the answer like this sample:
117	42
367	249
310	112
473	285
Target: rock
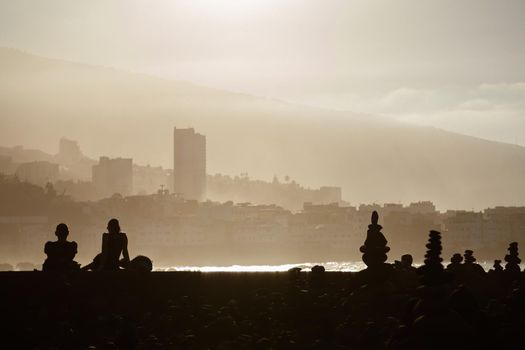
318	269
141	263
432	272
469	257
375	247
512	259
456	259
497	266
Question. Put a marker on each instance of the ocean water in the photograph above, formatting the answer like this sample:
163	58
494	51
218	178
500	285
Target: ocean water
329	266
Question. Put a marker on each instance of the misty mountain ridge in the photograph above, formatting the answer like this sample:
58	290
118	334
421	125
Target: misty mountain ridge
117	113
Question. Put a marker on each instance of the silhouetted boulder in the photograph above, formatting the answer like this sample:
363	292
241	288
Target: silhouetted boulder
317	277
140	263
294	274
463	302
263	344
318	269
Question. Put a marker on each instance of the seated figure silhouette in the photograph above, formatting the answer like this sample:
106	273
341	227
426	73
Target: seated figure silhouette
60	253
114	243
406	263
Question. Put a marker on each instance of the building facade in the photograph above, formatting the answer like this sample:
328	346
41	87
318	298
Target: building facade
69	151
189	164
111	176
38	173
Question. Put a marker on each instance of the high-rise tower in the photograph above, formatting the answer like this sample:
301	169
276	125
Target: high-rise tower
189	164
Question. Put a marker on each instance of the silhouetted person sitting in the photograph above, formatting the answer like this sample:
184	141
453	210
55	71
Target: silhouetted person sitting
406	263
114	243
60	253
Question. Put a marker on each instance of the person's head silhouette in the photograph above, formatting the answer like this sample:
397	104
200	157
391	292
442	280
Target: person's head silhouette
406	260
62	231
113	226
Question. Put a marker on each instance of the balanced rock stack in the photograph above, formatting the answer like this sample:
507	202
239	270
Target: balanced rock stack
374	249
497	266
469	257
432	271
512	259
470	267
455	261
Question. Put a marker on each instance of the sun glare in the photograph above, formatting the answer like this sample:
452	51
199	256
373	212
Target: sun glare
228	7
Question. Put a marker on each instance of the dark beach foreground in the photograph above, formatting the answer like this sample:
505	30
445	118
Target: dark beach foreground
278	310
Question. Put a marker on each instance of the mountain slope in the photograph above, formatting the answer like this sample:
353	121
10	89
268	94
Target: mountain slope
118	113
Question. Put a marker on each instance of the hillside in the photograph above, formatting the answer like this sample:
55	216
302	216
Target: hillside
120	113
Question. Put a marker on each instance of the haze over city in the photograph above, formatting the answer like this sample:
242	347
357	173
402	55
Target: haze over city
453	65
262	174
293	88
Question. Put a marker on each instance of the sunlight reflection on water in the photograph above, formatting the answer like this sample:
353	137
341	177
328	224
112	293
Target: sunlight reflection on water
329	266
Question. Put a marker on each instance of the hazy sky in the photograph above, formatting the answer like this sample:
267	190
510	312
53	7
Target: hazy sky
458	65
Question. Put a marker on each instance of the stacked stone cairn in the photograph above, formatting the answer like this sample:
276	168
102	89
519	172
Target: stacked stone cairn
471	269
432	272
497	266
469	257
456	259
455	262
375	247
512	259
